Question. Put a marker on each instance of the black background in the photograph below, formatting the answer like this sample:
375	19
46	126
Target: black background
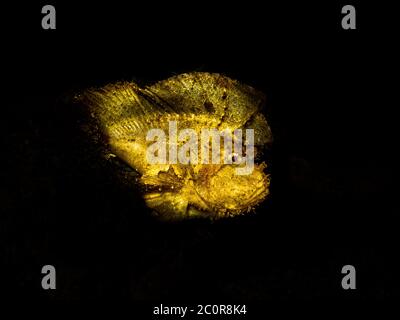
333	187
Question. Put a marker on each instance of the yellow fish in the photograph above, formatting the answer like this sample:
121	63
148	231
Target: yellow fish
124	113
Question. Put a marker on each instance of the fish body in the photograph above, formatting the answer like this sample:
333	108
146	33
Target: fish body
125	113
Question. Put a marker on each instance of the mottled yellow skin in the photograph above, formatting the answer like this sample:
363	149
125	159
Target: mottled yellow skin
125	112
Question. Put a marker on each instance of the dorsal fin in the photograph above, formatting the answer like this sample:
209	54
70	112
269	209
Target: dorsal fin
210	93
227	100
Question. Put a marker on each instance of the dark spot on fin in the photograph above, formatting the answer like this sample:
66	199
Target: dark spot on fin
209	106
